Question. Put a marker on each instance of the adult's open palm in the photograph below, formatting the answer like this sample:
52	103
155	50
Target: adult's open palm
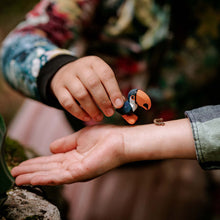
81	156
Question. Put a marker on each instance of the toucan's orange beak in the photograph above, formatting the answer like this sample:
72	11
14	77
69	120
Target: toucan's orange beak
143	100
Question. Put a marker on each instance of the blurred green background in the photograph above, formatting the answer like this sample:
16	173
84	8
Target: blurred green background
11	13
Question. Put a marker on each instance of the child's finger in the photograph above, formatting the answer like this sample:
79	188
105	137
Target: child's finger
81	94
68	102
95	87
110	84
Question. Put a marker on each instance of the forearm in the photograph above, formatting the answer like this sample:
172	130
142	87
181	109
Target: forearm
152	142
22	58
28	52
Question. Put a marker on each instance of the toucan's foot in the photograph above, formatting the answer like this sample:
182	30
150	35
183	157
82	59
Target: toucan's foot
131	118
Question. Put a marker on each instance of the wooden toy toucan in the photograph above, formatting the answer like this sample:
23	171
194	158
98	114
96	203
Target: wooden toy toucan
136	97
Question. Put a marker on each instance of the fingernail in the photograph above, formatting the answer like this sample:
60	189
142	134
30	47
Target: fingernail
118	103
109	112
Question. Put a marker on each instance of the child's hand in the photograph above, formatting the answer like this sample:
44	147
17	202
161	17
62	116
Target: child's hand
86	88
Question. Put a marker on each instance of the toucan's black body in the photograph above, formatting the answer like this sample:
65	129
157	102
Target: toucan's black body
136	98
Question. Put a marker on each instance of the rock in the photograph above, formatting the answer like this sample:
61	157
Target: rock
22	204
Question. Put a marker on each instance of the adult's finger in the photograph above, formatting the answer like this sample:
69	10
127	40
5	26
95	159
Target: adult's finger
64	144
31	168
53	177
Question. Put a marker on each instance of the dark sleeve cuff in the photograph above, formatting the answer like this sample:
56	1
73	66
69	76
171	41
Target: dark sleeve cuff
45	76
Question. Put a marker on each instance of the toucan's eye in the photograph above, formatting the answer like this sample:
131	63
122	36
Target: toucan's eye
133	97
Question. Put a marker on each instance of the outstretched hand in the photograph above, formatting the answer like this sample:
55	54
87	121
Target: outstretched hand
78	157
95	150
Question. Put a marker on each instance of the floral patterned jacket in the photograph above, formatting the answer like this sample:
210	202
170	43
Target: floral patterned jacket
172	52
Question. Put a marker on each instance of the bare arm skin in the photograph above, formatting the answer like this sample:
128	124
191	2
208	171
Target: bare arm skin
172	140
95	150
